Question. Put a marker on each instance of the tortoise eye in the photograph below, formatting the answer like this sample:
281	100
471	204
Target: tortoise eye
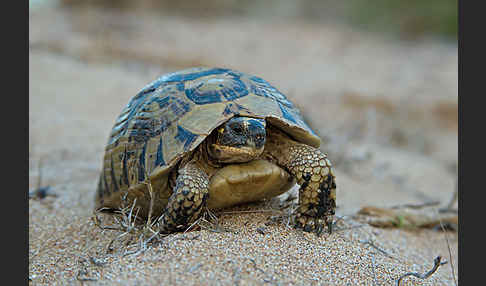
260	137
237	129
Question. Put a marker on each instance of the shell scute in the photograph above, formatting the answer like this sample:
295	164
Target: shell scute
175	113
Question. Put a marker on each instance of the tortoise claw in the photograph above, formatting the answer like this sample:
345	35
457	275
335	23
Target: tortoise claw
312	224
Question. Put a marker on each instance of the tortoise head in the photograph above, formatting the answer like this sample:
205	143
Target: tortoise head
240	139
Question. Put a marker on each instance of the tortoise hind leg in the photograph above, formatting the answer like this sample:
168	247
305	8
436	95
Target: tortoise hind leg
186	202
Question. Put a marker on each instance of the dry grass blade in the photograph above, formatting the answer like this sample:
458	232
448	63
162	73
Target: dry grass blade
142	248
193	224
437	263
450	252
127	222
151	192
110	245
372	244
454	197
97	222
286	213
212	224
126	218
450	206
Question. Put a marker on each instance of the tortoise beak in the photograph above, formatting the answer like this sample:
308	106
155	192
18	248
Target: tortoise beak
250	143
228	154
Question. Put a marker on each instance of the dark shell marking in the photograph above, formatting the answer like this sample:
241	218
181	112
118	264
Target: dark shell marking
173	114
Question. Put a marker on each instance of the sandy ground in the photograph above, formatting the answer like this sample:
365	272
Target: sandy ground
386	111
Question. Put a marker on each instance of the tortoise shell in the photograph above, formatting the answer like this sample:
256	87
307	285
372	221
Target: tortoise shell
175	113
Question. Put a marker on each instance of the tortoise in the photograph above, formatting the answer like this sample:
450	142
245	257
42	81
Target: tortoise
213	137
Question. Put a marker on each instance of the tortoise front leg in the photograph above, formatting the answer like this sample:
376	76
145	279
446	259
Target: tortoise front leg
317	194
186	202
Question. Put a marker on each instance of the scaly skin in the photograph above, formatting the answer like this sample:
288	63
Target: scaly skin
185	204
308	165
313	172
317	194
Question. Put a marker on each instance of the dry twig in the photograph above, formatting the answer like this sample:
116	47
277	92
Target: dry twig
335	227
41	192
437	263
416	206
406	217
